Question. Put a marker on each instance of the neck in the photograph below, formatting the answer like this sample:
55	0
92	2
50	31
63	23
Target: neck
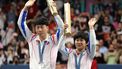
78	51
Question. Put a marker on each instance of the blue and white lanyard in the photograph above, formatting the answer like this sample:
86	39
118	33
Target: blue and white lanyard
77	63
41	51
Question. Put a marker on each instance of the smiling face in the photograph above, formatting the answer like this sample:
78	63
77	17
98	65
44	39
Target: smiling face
41	30
80	44
80	40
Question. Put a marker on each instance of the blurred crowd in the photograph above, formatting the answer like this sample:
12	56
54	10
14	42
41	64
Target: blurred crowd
14	48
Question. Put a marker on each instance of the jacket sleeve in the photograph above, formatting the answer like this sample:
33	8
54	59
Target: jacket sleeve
23	26
60	30
62	47
92	44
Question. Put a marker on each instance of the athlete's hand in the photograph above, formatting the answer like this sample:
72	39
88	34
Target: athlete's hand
92	22
65	26
52	6
29	3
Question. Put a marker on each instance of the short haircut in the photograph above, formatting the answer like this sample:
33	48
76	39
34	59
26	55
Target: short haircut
81	35
41	21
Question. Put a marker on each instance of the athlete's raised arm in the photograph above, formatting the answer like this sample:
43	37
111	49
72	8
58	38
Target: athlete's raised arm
22	20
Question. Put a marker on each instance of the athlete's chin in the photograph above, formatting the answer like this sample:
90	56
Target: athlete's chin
79	47
42	34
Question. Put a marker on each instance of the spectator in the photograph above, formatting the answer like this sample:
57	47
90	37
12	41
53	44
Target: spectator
105	29
75	26
119	29
69	38
103	49
10	54
68	45
11	16
15	60
120	58
83	20
119	43
2	57
7	36
23	52
99	56
97	6
114	43
2	19
111	55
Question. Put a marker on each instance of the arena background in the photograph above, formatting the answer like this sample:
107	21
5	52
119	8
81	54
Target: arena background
14	49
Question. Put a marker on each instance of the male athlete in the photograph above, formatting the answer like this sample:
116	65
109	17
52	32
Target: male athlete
43	47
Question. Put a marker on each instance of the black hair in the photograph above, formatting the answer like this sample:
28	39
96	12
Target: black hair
81	35
41	21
